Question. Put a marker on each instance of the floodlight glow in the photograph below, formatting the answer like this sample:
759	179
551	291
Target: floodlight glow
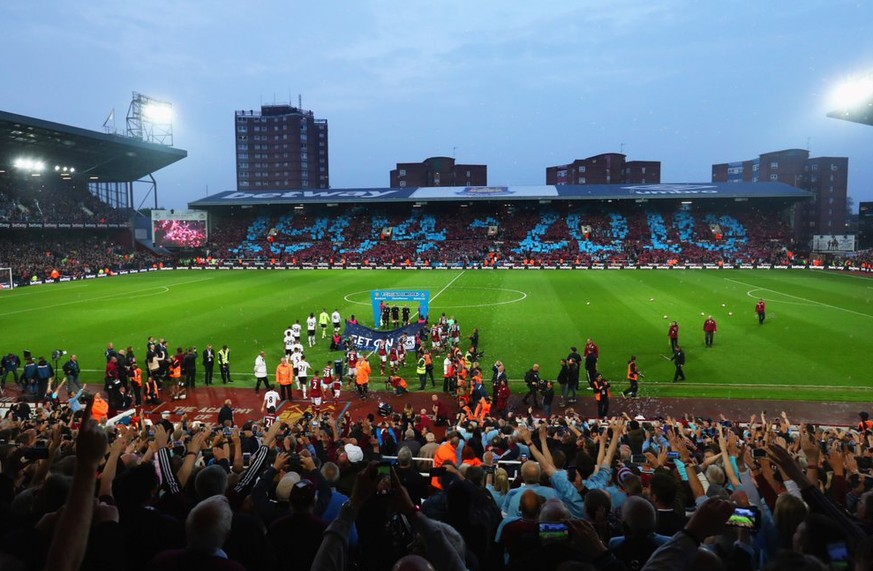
853	93
28	164
158	113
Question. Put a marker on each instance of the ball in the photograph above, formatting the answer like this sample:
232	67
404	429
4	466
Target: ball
730	312
723	305
652	299
701	313
587	303
665	317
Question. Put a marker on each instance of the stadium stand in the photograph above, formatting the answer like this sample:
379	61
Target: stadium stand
475	488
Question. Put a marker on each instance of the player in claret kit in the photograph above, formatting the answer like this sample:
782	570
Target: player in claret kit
382	350
336	385
401	350
393	358
316	391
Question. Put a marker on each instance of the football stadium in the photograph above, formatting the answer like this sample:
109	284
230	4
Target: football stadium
515	377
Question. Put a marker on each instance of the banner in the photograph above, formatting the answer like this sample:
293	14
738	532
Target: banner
364	338
390	297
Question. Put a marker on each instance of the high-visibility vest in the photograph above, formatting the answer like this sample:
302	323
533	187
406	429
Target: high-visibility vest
284	373
176	371
223	356
137	376
421	368
99	409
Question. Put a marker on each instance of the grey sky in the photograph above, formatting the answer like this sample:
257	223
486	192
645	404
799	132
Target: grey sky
516	85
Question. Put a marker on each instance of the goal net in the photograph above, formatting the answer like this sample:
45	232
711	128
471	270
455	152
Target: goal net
5	278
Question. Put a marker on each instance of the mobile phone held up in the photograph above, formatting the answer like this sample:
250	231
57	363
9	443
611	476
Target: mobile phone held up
553	532
748	517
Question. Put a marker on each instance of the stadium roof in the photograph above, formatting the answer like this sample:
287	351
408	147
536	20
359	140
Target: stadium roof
682	191
862	114
109	157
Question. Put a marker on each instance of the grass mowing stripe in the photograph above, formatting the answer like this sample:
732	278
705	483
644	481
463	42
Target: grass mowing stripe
812	301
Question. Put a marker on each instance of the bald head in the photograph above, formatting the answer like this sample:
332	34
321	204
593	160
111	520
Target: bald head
529	504
413	563
638	515
554	511
530	473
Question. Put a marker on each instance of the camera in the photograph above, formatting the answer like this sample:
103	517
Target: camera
57	354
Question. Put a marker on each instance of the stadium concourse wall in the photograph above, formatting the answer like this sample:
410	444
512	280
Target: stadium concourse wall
260	265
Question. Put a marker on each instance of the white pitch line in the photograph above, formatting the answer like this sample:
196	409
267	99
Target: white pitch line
454	279
801	298
100	297
761	385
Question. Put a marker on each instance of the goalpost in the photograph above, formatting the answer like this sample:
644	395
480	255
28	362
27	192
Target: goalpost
6	278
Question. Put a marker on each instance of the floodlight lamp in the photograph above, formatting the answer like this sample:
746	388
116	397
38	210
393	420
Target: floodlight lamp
161	113
853	93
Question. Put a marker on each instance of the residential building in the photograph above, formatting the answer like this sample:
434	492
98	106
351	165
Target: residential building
438	171
281	147
608	168
825	177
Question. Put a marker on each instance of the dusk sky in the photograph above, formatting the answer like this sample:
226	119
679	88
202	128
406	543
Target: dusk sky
515	85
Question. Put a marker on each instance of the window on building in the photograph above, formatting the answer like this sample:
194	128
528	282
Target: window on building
815	167
581	169
402	183
835	167
644	170
581	180
774	176
402	172
774	165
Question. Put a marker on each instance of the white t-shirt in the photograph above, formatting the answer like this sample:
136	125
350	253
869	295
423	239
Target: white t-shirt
447	362
297	347
271	399
302	368
310	323
295	330
296	357
335	317
289	342
288	332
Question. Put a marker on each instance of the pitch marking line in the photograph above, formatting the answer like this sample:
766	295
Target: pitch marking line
454	279
108	296
757	385
811	301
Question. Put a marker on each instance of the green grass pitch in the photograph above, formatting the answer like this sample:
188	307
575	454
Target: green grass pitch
815	344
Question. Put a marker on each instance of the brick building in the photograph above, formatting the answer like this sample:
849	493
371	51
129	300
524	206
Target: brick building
608	168
825	177
438	171
280	147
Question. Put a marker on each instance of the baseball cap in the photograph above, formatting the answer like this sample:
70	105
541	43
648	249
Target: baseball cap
285	485
354	453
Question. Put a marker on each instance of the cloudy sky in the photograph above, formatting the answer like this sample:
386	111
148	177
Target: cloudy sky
515	85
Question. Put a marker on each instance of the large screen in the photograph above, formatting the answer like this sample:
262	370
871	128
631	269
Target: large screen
179	228
833	243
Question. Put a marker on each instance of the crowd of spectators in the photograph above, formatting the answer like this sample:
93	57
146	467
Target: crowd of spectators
536	234
432	490
37	254
59	201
